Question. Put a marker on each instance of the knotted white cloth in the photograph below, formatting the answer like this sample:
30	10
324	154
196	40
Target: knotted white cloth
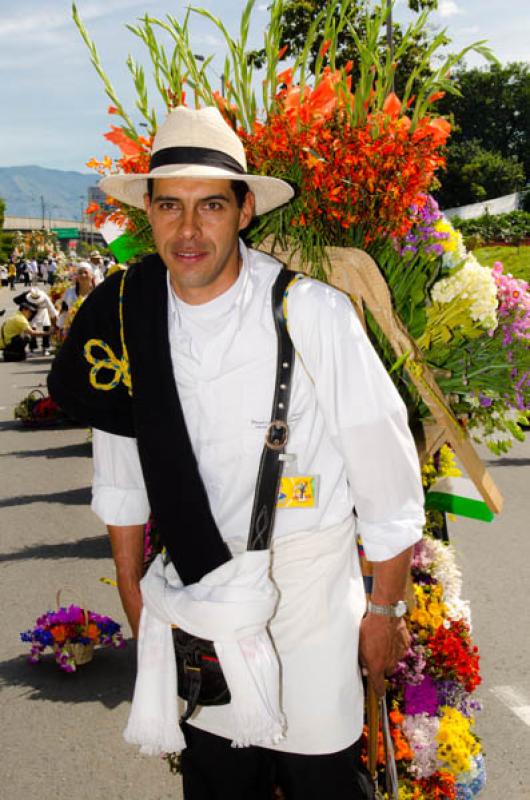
231	606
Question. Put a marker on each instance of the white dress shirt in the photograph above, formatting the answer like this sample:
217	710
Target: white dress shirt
348	425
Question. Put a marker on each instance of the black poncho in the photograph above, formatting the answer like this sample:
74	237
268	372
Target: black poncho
152	414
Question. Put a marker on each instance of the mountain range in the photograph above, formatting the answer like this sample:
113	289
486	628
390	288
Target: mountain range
32	191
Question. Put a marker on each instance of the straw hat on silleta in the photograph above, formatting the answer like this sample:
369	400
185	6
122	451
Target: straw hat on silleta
197	144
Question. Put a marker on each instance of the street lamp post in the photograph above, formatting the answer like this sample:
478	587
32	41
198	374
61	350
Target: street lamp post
81	218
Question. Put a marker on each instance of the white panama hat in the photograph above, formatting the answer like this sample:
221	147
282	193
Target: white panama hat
197	144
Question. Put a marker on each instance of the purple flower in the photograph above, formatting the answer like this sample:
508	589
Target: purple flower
485	401
451	693
411	668
421	698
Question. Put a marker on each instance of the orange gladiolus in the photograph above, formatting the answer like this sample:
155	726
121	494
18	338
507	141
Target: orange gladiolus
286	77
392	105
326	44
112	110
435	96
127	145
347	177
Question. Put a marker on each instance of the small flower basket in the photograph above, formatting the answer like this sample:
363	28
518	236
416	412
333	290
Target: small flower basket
37	410
73	633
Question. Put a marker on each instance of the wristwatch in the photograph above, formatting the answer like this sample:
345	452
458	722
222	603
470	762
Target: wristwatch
396	610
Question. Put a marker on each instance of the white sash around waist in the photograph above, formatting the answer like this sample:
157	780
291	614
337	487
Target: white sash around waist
315	632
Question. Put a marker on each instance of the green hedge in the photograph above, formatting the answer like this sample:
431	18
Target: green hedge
511	228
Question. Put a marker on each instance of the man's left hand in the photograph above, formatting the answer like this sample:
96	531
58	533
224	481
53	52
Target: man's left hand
383	643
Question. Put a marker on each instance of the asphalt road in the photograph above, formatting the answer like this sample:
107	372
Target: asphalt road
61	734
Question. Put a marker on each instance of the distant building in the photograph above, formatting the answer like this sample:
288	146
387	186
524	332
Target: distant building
96	195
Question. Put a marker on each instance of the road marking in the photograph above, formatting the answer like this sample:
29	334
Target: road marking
515	701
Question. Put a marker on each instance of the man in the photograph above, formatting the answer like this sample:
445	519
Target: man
16	332
96	260
197	334
23	274
52	269
33	271
46	314
11	275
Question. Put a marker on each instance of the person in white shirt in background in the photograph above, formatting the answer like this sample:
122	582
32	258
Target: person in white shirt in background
348	429
96	260
46	315
33	270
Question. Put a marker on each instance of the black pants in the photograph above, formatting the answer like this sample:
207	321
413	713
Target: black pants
213	770
16	349
45	340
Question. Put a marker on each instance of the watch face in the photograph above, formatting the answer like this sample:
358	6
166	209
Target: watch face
400	608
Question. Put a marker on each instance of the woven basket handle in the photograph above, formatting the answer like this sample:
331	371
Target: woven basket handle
37	392
77	596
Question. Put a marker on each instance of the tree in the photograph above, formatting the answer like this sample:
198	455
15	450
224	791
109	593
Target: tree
299	15
6	239
474	174
493	109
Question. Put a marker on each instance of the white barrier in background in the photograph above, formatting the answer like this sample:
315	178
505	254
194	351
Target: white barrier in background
500	205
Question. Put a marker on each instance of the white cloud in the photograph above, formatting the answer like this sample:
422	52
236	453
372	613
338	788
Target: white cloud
449	8
36	23
208	39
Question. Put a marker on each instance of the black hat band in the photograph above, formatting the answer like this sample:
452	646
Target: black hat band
195	155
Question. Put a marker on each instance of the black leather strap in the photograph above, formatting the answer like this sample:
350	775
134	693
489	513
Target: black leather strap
270	468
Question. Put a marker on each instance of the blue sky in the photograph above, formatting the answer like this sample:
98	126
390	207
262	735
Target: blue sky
54	105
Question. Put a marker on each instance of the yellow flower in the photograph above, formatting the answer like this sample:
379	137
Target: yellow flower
448	468
456	742
450	244
422	618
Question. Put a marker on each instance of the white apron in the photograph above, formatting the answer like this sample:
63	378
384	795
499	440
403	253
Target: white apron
315	631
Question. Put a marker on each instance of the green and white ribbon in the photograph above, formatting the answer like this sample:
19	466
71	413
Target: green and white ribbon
122	245
458	496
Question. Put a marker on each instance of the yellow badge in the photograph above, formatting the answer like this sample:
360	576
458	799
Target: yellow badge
297	491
